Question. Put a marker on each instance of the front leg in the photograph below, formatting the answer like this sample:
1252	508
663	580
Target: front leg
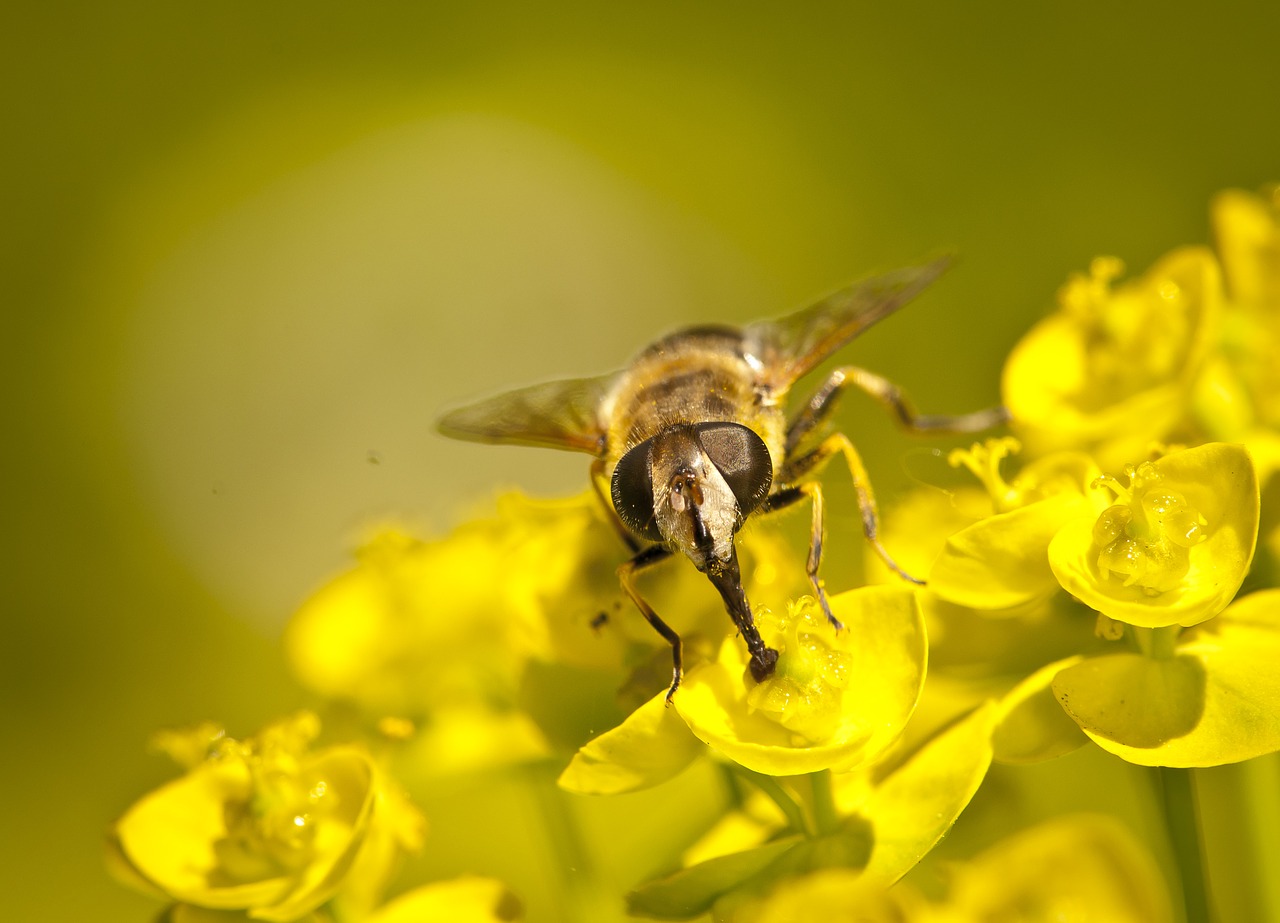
627	577
789	496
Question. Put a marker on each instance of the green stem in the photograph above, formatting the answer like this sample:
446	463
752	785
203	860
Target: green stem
779	796
825	816
1260	793
1157	643
1184	836
1240	819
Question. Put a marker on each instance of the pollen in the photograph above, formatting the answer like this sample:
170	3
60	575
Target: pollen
1144	538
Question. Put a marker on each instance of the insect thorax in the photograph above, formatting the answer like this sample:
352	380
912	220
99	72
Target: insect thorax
685	380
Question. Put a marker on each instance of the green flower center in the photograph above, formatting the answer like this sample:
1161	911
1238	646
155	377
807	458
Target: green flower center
271	828
805	693
1145	539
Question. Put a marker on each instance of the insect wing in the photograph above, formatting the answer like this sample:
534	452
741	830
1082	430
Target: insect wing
555	414
794	345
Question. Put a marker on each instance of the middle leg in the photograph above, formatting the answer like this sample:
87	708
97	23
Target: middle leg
839	444
789	496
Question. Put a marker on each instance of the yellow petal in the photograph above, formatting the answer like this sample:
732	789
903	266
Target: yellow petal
1003	561
912	808
178	838
651	746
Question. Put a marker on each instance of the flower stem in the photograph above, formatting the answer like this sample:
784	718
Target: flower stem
825	816
1240	818
1157	643
1178	796
779	796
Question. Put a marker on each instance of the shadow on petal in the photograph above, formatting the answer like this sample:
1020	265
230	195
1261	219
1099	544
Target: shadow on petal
1134	700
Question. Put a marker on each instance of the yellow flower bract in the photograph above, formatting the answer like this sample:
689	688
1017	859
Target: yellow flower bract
836	700
264	825
1177	547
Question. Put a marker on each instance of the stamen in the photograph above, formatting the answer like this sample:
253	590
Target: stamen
983	461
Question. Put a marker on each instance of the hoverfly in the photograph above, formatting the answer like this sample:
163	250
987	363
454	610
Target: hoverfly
693	437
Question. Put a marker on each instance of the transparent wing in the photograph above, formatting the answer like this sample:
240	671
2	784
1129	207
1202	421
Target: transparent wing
555	414
793	345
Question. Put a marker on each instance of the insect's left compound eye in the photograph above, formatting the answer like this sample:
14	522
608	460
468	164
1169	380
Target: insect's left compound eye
632	492
742	458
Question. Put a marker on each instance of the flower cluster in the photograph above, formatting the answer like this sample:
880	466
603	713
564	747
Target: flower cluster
1101	582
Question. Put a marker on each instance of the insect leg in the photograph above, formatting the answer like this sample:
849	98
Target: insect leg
819	407
789	496
891	396
606	501
816	410
627	576
796	468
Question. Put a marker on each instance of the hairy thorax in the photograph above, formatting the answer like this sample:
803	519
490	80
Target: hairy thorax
690	377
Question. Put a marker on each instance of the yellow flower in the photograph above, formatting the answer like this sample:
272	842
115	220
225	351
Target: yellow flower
1237	397
266	825
1174	547
835	700
1111	371
446	631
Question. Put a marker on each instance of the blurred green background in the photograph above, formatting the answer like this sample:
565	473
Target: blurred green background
251	250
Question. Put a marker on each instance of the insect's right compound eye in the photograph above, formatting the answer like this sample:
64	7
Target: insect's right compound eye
632	492
742	459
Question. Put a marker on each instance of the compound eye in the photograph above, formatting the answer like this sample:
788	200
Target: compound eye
742	459
632	492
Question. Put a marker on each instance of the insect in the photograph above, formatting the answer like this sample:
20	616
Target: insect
693	437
